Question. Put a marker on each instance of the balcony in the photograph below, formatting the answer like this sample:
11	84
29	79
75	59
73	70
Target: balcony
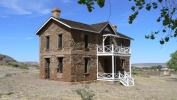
113	49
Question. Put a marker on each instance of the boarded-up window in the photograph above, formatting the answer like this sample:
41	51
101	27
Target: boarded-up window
47	42
60	41
86	41
60	65
86	67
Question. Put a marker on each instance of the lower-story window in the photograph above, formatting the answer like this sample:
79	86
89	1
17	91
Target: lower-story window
86	66
60	65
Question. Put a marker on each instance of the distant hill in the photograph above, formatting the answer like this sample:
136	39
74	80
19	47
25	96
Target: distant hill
5	58
148	64
9	61
31	63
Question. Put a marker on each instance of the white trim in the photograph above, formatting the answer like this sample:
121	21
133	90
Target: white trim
84	30
103	28
111	35
112	28
48	21
114	54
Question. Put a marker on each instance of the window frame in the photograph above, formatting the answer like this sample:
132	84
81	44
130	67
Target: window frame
86	65
47	42
86	41
60	64
60	41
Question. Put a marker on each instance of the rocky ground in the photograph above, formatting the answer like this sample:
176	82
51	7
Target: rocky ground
17	84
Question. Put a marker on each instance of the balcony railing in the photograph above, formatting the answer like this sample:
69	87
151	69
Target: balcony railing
113	49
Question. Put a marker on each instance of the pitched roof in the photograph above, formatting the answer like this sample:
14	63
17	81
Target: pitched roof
96	28
99	26
75	24
124	36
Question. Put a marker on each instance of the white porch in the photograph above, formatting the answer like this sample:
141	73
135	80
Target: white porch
113	51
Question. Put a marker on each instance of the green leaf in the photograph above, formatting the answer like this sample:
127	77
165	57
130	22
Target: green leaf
158	20
166	39
160	1
133	8
152	37
148	7
147	36
162	42
164	30
175	35
156	32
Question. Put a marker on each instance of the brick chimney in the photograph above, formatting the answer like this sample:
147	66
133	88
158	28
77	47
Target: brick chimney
56	12
114	27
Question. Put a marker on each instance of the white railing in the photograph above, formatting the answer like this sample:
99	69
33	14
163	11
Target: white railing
113	49
123	77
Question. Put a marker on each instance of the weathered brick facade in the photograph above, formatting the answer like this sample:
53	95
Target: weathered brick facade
73	52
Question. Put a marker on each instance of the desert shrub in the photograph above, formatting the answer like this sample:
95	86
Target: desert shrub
85	93
23	67
8	75
9	93
140	74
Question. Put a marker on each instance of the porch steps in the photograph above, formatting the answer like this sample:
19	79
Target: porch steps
126	79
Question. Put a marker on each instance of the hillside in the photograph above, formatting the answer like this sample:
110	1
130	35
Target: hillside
9	61
148	64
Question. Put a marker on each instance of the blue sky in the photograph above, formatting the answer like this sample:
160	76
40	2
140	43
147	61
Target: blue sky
20	19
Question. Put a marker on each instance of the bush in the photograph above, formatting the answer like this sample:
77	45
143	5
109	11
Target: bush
85	93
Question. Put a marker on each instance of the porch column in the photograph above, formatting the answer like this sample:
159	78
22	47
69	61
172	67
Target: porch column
97	66
103	44
130	67
112	67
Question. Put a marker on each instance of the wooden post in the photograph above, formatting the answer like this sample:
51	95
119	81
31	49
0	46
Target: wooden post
112	67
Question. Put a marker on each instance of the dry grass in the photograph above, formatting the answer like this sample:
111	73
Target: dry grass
28	86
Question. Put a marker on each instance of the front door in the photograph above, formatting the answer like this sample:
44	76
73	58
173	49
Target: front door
47	68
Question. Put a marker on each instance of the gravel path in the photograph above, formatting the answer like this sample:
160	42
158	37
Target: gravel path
26	85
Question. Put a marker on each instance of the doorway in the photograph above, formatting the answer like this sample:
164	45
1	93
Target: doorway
47	67
106	66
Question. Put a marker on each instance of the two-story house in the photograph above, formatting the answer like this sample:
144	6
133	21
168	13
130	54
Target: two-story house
71	51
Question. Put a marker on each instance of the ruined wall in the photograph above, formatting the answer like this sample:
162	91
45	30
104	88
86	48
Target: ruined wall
53	29
79	53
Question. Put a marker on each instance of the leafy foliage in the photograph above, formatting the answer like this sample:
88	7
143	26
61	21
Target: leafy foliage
90	3
168	12
172	63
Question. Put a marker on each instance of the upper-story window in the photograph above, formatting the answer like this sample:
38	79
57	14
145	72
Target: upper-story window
121	44
60	41
86	41
47	42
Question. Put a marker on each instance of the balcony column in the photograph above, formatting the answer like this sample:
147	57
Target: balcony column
112	66
130	67
103	45
97	65
112	48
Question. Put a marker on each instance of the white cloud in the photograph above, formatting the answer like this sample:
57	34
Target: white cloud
9	38
66	1
4	16
28	38
25	7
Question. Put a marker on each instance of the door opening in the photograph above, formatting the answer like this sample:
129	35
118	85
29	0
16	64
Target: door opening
47	65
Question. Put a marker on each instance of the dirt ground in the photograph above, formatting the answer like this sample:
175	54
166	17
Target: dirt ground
18	84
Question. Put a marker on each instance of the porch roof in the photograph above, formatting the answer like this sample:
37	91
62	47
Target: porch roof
111	35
